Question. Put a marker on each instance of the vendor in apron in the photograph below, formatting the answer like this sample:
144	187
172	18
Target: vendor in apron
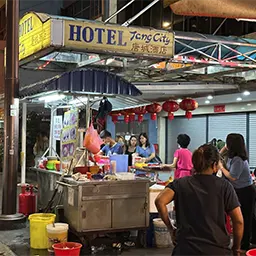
182	160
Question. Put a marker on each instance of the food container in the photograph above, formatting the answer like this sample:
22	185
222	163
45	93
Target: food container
94	169
51	162
57	166
125	176
57	233
81	169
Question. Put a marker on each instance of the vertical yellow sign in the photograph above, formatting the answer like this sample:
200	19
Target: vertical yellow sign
34	35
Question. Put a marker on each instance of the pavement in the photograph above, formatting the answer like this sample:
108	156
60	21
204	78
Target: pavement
16	243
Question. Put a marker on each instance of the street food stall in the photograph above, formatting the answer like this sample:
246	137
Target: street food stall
86	93
49	43
109	201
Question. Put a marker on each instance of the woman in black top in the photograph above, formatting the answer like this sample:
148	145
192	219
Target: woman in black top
201	202
131	148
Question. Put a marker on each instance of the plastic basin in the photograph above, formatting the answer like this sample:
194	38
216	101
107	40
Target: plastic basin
67	249
251	252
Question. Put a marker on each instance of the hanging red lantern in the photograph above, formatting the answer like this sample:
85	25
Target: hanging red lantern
188	105
131	114
140	111
126	119
132	117
115	116
125	113
153	109
170	106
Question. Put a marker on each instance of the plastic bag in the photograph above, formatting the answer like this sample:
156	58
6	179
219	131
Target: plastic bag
92	141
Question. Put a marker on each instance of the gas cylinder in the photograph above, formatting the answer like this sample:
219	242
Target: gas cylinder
23	201
31	200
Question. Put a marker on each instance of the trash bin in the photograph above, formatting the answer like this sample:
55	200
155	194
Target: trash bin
162	234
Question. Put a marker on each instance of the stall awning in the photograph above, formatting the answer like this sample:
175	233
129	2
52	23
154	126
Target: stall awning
85	82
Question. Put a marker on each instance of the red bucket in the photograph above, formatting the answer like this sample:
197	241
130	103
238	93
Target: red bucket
67	249
251	252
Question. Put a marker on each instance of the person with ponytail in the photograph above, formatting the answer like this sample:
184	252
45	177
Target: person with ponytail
201	202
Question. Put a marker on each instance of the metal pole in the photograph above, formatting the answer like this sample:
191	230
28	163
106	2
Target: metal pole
128	22
11	107
218	28
23	143
52	147
117	12
10	219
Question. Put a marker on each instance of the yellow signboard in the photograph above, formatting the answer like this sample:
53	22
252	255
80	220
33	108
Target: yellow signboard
34	35
97	37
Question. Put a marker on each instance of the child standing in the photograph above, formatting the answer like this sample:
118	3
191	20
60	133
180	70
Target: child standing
182	160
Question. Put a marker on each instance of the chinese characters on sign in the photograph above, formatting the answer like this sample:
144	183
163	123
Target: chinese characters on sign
219	109
57	126
149	49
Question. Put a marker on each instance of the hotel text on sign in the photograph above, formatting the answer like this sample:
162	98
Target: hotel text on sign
97	37
34	35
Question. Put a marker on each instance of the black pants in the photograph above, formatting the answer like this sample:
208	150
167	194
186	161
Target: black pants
246	198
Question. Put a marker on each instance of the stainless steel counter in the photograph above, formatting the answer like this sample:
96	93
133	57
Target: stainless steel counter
106	205
46	181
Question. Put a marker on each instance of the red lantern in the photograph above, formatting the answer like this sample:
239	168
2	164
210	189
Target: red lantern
126	116
188	105
131	114
132	117
126	119
154	109
115	116
170	106
140	111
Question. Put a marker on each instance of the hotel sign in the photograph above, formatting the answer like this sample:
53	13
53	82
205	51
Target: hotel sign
34	35
41	34
98	37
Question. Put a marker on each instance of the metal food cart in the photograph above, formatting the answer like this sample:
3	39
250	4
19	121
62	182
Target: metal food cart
106	206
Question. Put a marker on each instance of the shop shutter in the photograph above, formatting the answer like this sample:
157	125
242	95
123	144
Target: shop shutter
221	125
252	140
195	128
